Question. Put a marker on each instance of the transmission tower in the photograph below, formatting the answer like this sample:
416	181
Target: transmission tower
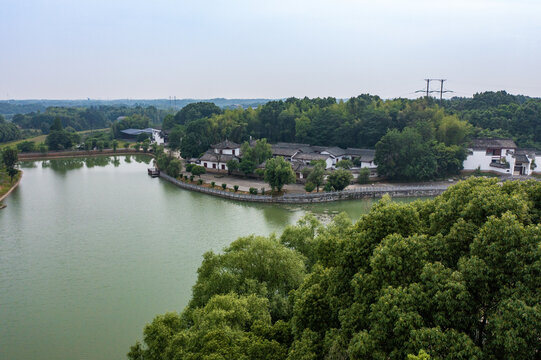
428	91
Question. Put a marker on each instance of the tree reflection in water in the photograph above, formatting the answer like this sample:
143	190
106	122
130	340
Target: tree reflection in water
65	164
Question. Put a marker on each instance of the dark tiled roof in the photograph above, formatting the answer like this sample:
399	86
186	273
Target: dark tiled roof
528	151
317	148
310	156
283	151
225	145
364	154
210	155
136	131
521	158
298	166
492	144
335	151
291	145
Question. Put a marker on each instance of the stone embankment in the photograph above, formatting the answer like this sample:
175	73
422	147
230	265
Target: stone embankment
359	193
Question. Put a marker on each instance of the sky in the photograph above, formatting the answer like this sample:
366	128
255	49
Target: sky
116	49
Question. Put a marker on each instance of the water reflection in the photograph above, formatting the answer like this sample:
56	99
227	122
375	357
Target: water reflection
97	161
142	159
277	216
27	164
65	164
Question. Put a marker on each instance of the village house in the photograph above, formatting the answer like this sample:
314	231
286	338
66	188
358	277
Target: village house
156	136
501	156
218	155
365	157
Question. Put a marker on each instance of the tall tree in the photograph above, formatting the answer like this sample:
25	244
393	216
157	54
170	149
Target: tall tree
278	172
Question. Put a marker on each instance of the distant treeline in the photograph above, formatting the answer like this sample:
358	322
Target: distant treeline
84	118
11	107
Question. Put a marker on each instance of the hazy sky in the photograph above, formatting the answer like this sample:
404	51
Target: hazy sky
108	49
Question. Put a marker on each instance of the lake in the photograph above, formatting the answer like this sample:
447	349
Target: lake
91	249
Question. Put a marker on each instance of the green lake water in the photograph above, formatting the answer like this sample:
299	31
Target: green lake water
92	249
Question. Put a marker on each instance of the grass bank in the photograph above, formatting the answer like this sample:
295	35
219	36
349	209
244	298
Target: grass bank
41	138
6	185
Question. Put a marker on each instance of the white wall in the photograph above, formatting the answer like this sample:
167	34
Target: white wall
479	159
210	163
368	164
228	151
156	138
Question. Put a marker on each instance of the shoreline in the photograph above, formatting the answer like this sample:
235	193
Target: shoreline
321	197
2	206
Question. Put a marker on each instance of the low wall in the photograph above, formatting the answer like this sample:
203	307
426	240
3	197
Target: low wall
368	192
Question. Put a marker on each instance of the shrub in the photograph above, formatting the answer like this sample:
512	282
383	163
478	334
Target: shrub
191	177
262	191
236	188
174	168
364	176
26	146
200	181
260	172
42	148
328	187
224	186
212	184
309	187
253	191
198	170
189	167
339	179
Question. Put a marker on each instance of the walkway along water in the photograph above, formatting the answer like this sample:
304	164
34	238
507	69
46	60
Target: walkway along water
361	193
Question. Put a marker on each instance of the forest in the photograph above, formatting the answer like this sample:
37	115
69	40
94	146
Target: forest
457	277
360	121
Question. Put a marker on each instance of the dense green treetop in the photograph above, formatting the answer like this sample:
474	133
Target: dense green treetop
456	277
195	111
278	173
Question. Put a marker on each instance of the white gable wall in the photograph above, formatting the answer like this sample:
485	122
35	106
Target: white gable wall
480	159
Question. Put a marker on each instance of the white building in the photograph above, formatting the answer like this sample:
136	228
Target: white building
364	156
307	158
156	135
218	155
501	156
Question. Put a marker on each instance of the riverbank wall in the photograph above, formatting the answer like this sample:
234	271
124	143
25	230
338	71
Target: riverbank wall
80	153
362	193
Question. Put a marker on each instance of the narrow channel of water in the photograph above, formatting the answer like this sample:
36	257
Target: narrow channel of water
92	249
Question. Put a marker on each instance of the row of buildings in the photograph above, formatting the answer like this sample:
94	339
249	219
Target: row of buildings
299	155
491	155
